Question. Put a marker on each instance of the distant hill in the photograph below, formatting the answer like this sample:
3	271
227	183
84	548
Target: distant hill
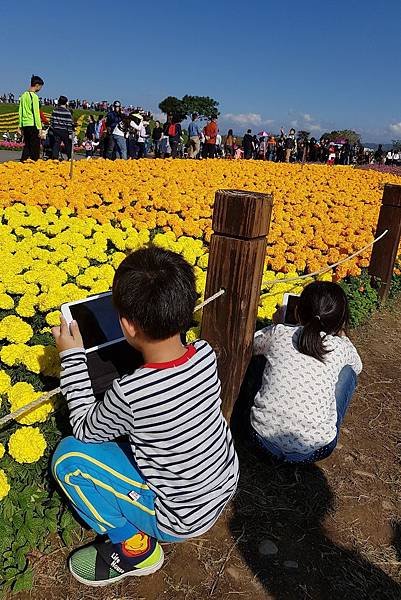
374	145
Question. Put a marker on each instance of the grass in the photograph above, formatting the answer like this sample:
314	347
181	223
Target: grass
9	110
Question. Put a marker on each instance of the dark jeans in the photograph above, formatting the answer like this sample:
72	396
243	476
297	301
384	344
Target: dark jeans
61	135
31	143
344	391
174	147
108	147
156	148
210	150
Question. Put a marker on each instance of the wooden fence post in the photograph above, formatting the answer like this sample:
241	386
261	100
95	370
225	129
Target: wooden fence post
385	251
241	221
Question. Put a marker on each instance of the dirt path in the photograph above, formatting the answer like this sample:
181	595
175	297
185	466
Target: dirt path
336	526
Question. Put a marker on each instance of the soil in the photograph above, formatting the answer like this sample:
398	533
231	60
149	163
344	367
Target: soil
333	529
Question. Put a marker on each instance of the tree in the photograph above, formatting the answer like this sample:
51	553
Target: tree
342	134
173	106
204	106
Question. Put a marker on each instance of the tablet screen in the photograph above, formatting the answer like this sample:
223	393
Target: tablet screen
97	320
290	316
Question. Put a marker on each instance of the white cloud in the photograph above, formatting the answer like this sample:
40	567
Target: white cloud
395	127
245	118
294	123
315	127
307	117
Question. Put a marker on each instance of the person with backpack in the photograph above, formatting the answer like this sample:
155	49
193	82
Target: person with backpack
30	124
210	131
309	378
173	130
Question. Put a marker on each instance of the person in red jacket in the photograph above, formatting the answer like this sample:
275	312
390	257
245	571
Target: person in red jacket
211	130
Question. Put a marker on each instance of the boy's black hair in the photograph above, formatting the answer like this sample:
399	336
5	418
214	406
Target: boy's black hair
62	101
322	307
36	80
155	289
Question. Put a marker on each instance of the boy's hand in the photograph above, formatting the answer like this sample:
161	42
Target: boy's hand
66	337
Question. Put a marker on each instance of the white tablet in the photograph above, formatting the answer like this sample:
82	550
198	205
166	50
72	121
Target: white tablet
97	320
290	302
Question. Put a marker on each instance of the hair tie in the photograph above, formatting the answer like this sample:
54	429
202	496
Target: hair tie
317	317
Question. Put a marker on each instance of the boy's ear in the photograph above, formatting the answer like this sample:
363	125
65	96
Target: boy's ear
128	326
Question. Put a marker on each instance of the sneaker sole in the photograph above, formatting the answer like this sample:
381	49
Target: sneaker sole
134	573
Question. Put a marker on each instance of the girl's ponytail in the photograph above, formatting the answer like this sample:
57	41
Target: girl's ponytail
310	341
322	308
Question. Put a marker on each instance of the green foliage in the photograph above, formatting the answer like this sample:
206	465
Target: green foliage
362	297
344	134
173	106
204	106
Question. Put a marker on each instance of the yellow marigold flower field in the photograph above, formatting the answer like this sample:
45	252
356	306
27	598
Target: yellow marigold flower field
61	240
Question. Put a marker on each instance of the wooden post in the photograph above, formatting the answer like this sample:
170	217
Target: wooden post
72	155
241	221
385	251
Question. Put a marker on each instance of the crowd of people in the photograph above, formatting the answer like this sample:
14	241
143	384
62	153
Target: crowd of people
129	132
97	106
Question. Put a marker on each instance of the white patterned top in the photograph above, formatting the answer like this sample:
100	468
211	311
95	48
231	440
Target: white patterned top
295	408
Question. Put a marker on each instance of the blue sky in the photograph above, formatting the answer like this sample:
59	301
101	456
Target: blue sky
316	65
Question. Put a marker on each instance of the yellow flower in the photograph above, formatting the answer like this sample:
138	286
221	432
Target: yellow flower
15	330
22	393
4	485
27	445
53	318
5	382
6	302
2	450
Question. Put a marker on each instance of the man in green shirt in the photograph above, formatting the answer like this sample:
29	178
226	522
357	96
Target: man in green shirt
29	119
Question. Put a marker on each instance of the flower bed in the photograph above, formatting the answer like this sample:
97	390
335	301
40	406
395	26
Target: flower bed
11	145
62	241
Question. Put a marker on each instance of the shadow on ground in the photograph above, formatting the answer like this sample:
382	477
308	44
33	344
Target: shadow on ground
280	513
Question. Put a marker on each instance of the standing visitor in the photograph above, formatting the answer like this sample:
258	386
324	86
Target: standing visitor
91	128
30	124
247	144
290	145
229	144
156	137
114	116
99	127
194	134
271	148
137	124
173	130
211	130
62	125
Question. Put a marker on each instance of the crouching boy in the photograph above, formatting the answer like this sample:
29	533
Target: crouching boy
173	478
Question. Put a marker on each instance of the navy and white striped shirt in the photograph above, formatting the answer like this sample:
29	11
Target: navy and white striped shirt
61	118
179	437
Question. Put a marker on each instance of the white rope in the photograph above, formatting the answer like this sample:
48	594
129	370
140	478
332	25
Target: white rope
216	295
29	406
270	282
35	403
